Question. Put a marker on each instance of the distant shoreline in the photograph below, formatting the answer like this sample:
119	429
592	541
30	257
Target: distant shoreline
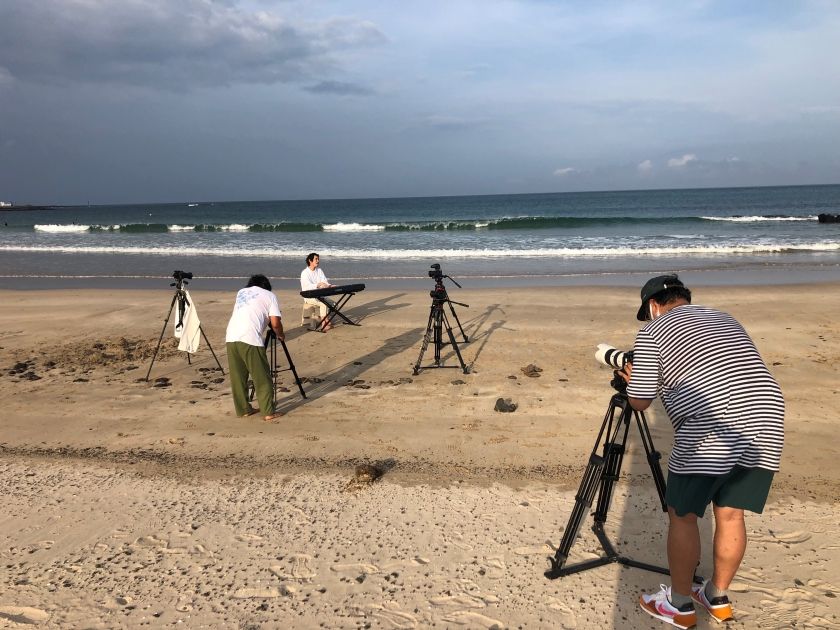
27	208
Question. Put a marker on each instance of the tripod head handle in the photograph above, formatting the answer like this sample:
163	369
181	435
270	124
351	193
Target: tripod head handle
454	281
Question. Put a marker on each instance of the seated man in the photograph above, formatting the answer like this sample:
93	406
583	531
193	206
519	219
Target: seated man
312	277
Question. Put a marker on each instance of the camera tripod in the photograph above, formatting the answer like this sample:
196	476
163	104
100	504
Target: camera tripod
601	474
437	322
180	298
271	346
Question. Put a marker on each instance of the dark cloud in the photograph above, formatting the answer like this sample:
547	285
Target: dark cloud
339	87
169	43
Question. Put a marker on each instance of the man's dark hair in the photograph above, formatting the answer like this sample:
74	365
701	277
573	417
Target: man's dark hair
259	280
311	257
672	295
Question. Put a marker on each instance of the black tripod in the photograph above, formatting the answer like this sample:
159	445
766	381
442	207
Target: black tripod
271	346
601	474
438	321
180	298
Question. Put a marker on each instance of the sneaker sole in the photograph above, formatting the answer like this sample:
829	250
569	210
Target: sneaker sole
680	621
720	614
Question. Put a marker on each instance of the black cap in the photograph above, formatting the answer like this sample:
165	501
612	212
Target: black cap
651	288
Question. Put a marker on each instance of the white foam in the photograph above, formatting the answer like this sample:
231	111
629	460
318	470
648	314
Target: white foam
61	228
396	254
757	219
233	227
353	227
181	228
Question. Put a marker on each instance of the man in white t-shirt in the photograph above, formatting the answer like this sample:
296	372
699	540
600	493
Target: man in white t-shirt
256	308
312	277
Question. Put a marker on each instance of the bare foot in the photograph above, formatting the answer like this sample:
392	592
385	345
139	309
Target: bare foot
251	411
273	417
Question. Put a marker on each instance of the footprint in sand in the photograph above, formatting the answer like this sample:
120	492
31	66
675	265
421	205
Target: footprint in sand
474	620
535	550
23	614
419	560
825	587
301	569
789	538
496	568
248	537
267	592
150	541
356	568
462	600
42	544
390	614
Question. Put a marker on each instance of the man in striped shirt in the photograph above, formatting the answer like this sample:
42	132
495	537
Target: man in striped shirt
727	411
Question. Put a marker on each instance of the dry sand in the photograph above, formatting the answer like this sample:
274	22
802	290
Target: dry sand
127	504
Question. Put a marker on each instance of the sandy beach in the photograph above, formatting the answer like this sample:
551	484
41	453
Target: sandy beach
129	503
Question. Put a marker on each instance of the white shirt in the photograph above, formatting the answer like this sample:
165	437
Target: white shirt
254	305
309	279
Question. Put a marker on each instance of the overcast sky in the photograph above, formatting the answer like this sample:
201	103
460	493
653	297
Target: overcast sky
109	101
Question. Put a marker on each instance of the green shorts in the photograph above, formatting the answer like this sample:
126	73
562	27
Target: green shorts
743	488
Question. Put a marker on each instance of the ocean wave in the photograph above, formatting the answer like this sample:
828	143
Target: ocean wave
61	228
760	218
504	223
353	227
473	253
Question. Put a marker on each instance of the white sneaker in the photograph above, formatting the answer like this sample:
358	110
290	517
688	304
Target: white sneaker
659	605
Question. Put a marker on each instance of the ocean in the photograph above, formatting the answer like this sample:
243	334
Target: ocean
733	235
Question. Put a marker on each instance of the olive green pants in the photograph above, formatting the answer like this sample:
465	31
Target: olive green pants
244	360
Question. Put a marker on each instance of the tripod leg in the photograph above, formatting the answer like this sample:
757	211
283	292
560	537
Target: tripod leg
614	450
454	343
160	339
292	368
207	341
654	457
458	321
425	343
438	328
583	501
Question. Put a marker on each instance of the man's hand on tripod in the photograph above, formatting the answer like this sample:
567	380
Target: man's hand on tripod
277	327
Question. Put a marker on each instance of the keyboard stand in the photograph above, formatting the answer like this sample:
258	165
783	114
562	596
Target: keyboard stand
334	310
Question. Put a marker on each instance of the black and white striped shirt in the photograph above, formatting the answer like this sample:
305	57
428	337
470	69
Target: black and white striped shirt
726	407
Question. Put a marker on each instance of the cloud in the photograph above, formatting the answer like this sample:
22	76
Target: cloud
339	87
645	167
563	172
171	43
682	162
445	122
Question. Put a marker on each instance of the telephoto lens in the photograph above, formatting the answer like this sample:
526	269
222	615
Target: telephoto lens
611	357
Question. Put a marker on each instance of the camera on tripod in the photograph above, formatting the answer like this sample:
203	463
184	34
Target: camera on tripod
180	276
438	322
616	359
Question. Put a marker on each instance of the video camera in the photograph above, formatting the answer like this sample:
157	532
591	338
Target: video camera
180	276
435	272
